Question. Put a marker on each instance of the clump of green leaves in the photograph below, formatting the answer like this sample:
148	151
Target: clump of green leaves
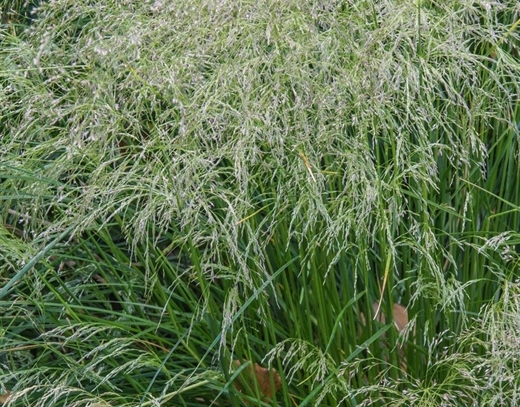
185	184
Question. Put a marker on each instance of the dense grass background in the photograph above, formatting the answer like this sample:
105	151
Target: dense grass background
185	184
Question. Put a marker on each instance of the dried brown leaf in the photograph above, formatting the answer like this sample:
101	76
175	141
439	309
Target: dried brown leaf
260	375
400	315
4	397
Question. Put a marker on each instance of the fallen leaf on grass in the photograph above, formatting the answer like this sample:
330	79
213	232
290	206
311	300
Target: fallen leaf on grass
4	397
400	315
262	377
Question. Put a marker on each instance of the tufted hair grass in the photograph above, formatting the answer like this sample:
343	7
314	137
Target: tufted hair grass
185	184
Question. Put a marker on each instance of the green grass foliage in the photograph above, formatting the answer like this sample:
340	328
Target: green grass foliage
188	183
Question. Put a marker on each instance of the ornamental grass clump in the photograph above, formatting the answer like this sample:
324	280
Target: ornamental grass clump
189	184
